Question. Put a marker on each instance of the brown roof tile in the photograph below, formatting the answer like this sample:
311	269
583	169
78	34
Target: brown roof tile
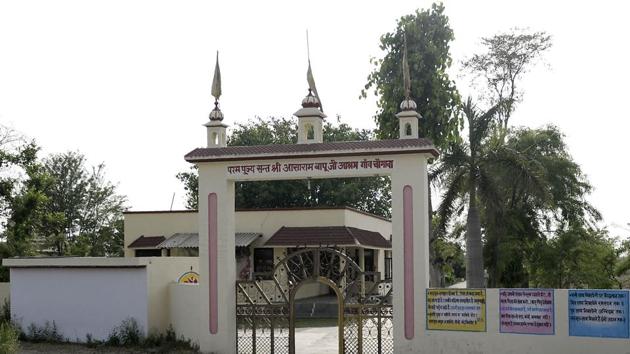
327	235
320	149
146	241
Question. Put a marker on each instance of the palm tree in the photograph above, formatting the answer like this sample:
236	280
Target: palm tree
466	173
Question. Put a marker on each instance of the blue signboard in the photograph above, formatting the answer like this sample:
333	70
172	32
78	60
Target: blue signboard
598	313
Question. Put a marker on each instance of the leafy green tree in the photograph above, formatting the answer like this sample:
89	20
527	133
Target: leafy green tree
89	205
428	35
577	257
16	154
526	214
466	172
190	180
21	197
506	57
367	194
428	39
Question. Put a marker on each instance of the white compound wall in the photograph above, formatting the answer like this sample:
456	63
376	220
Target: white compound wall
81	301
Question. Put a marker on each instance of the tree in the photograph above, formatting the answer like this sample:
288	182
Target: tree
16	154
90	207
368	194
428	38
502	64
467	173
20	199
577	257
527	215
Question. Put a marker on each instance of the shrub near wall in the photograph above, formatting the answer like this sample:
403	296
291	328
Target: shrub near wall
8	334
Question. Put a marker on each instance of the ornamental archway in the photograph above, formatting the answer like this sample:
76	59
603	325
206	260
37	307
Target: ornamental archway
403	161
265	309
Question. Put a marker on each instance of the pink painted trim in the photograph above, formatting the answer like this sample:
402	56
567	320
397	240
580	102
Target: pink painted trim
212	257
408	260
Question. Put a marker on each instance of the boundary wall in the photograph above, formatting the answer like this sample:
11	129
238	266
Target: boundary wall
570	315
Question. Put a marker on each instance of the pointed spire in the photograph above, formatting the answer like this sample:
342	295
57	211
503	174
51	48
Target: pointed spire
407	104
309	75
216	81
406	75
216	114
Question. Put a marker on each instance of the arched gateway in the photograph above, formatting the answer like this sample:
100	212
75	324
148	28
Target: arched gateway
258	315
265	311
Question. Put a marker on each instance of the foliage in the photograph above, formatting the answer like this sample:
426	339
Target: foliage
465	172
56	205
27	215
8	339
168	342
367	194
450	259
5	312
128	333
86	211
531	210
16	154
576	258
20	202
428	38
190	180
48	333
502	64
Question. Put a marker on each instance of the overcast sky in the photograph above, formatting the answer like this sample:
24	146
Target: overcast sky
128	82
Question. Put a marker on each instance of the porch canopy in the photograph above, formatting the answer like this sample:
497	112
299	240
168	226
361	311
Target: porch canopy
146	242
188	240
342	236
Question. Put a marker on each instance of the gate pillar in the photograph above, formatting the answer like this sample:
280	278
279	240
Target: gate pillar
217	268
410	249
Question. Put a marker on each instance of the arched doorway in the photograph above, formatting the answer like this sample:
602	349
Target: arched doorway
312	323
265	308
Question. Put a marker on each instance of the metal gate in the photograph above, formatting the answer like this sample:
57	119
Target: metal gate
265	317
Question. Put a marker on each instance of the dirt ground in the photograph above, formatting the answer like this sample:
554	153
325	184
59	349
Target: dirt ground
32	348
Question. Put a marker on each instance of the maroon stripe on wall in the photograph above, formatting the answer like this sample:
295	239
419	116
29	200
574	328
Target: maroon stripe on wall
408	260
212	257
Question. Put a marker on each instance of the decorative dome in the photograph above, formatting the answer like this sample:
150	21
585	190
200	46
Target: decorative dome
311	101
408	105
216	114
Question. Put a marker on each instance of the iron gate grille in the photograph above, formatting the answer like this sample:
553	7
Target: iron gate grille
264	317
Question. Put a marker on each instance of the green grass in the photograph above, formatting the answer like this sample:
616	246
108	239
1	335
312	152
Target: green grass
315	322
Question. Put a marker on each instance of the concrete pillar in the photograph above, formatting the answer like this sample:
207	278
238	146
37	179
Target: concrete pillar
217	268
410	249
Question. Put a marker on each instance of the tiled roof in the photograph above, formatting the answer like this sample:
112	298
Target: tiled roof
146	242
320	149
327	236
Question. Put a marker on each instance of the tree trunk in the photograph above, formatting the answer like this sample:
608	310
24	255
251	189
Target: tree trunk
474	250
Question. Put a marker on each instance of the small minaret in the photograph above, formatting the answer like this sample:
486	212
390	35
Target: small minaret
215	128
310	117
408	117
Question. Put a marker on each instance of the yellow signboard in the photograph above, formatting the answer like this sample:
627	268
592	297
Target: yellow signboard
456	310
189	278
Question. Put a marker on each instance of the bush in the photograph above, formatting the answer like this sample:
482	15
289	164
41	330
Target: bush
168	342
8	338
48	333
127	334
5	312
